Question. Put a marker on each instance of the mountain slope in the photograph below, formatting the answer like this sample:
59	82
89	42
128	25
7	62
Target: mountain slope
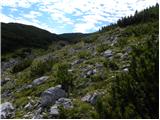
113	73
15	36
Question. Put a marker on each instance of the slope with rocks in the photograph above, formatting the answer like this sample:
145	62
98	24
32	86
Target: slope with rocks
109	74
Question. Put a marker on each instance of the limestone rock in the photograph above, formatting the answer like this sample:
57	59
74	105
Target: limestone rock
54	110
40	80
5	80
6	110
108	53
49	96
65	102
91	98
28	106
77	61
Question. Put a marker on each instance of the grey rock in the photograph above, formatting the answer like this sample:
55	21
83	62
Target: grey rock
77	61
86	98
98	66
91	98
125	70
9	64
125	56
28	86
54	110
108	53
65	102
91	72
5	80
119	55
126	66
6	110
29	115
38	116
49	96
40	80
70	70
28	106
129	49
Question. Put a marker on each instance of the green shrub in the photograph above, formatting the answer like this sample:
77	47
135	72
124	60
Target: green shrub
111	64
96	78
122	42
64	77
103	107
21	65
136	93
80	110
21	101
40	66
102	47
84	54
90	39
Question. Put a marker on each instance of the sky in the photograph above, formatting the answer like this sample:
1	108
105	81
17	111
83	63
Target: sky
67	16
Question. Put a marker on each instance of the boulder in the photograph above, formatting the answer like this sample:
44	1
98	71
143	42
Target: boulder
49	96
40	80
91	72
54	111
65	102
108	53
91	98
6	110
9	64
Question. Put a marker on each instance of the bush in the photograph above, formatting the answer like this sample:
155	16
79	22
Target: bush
90	39
137	93
21	65
102	47
41	66
84	54
21	101
103	107
80	110
64	77
111	64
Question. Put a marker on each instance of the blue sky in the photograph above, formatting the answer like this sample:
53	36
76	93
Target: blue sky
66	16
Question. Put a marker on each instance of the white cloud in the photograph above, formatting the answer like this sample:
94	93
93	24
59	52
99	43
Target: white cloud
93	11
84	27
16	3
34	22
88	13
32	15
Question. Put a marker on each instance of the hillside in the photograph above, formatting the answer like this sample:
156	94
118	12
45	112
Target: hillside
112	73
16	36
